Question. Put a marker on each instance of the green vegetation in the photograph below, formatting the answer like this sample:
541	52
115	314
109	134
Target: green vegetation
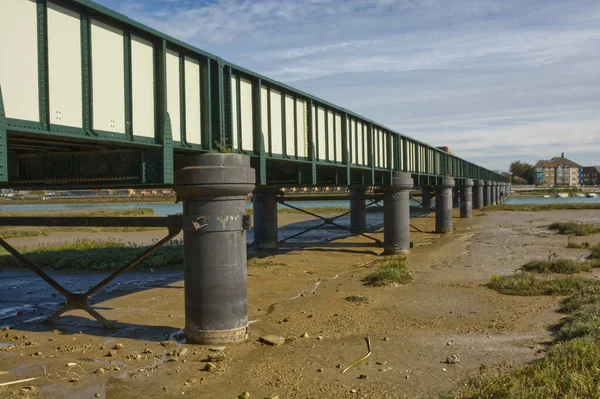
542	207
595	252
577	229
257	259
94	255
585	322
390	273
563	266
528	284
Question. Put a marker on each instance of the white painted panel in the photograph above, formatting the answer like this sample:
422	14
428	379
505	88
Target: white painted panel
313	119
359	142
173	99
338	138
321	128
376	146
193	114
365	149
142	87
385	147
264	103
330	137
351	140
290	137
234	112
276	133
247	122
19	72
301	127
64	66
380	149
108	78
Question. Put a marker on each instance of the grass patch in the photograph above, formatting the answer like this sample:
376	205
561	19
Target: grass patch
595	252
96	255
528	284
541	207
587	295
389	273
562	266
585	322
577	229
569	370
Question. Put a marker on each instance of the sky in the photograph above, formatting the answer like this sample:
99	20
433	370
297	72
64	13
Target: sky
496	81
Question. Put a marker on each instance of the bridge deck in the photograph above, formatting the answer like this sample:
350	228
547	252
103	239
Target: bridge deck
90	98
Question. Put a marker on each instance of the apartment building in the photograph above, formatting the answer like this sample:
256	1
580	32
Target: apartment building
591	175
559	172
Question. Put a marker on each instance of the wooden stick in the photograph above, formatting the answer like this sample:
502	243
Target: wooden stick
18	381
362	358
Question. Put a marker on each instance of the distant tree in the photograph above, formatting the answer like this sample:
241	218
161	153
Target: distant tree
522	170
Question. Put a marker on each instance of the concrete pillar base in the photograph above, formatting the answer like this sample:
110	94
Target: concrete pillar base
396	215
466	200
264	206
214	188
358	213
478	195
426	196
443	206
487	197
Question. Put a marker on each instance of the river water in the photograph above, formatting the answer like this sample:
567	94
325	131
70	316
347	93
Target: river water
163	209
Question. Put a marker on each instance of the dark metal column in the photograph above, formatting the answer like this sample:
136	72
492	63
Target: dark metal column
396	214
478	194
264	207
214	188
426	196
443	206
358	213
487	193
494	193
466	199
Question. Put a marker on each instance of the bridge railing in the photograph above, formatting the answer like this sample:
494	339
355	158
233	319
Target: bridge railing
77	70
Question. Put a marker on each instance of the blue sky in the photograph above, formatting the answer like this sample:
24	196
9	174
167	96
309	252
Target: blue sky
496	81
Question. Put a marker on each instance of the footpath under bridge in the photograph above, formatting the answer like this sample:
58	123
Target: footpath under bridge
92	99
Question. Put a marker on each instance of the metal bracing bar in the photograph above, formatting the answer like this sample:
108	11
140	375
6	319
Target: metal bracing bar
325	220
80	300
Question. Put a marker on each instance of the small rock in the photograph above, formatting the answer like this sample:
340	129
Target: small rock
37	354
182	352
118	346
386	338
453	359
147	351
217	348
444	370
287	319
216	357
339	366
74	379
272	397
353	391
363	377
97	395
244	395
273	340
407	376
381	363
99	371
320	370
320	337
305	335
209	367
111	352
71	364
449	343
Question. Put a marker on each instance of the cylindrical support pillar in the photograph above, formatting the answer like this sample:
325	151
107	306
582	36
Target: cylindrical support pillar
214	188
502	194
494	197
358	213
466	199
443	206
487	193
426	196
478	194
264	206
455	197
396	214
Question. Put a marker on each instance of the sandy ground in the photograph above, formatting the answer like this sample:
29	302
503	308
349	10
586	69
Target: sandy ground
446	311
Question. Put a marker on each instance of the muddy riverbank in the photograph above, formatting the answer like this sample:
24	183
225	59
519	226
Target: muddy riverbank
446	310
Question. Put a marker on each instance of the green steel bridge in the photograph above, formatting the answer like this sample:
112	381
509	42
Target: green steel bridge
90	98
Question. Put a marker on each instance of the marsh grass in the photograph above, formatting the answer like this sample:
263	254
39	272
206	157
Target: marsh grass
96	255
541	207
561	266
577	229
389	273
528	284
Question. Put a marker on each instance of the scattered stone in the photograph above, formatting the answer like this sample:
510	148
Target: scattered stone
320	337
363	377
168	343
287	319
111	353
209	367
28	389
381	363
97	395
37	354
118	346
444	370
453	359
217	348
273	340
71	364
449	343
244	395
357	298
181	352
353	391
339	366
74	379
147	351
386	338
305	335
99	371
320	370
216	357
407	376
272	397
